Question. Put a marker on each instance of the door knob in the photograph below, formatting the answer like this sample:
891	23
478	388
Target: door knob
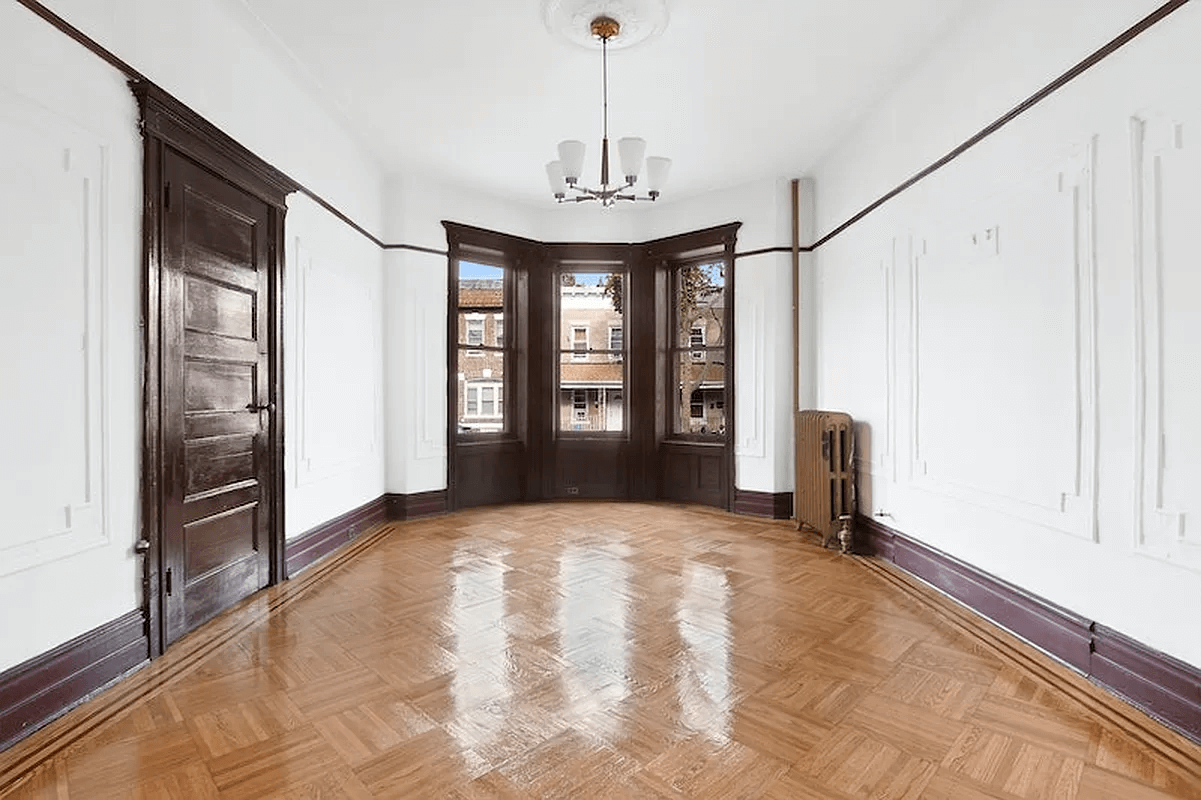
253	408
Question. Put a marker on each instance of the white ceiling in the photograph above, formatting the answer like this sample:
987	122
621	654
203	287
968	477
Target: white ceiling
478	93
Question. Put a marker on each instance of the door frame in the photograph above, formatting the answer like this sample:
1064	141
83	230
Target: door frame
168	125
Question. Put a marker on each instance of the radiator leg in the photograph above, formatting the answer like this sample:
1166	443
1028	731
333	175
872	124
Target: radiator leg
845	537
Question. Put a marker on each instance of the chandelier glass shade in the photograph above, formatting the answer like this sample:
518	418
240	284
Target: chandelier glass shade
564	173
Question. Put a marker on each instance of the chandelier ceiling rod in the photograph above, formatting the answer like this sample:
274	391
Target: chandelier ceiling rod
564	174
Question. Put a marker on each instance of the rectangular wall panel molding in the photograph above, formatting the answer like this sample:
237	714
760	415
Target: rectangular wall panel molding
335	427
1166	161
53	337
1008	374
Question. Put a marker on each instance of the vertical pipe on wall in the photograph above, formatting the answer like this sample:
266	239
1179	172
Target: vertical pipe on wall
796	304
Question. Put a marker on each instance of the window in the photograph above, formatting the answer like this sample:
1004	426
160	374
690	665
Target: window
483	400
579	343
475	330
699	355
591	345
616	337
481	356
579	405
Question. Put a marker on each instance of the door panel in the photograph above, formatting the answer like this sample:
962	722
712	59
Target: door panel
216	394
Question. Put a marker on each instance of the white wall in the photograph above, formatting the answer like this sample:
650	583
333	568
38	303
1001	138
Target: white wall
416	285
334	373
70	156
70	167
1030	398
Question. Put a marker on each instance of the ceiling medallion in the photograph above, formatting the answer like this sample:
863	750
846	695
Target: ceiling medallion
564	174
571	20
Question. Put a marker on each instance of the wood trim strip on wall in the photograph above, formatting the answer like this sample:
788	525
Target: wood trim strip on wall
35	692
1163	687
1076	71
1099	55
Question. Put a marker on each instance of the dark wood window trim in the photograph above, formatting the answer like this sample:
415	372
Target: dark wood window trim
671	254
167	125
532	329
566	259
476	245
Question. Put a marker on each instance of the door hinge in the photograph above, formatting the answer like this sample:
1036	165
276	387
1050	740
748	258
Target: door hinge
167	196
168	581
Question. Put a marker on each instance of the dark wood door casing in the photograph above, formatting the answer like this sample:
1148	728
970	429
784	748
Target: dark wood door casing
200	186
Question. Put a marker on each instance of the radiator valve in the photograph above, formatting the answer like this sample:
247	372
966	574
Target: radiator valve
845	537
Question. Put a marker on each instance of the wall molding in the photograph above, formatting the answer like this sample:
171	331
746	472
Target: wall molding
1157	684
35	692
1066	503
1164	527
1099	55
776	505
308	261
69	511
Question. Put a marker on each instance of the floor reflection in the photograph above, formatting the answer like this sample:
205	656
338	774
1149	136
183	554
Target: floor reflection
594	637
705	690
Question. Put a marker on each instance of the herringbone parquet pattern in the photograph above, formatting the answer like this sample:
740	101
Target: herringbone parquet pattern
599	650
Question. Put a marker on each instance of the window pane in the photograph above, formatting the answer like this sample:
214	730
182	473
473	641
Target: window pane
616	343
481	391
481	303
699	401
700	293
591	378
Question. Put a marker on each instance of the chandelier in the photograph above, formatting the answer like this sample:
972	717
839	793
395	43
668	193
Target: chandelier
564	174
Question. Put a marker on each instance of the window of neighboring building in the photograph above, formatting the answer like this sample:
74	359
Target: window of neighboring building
484	400
697	406
616	337
579	405
498	322
696	339
579	342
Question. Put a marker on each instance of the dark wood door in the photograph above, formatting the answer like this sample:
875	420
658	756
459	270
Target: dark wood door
217	406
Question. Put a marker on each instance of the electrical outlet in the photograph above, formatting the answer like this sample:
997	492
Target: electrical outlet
573	490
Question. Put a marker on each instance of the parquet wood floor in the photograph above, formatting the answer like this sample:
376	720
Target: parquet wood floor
598	650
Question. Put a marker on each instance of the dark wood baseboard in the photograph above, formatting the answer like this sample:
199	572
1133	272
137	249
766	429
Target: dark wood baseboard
1161	686
763	504
1164	687
35	692
416	505
317	543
